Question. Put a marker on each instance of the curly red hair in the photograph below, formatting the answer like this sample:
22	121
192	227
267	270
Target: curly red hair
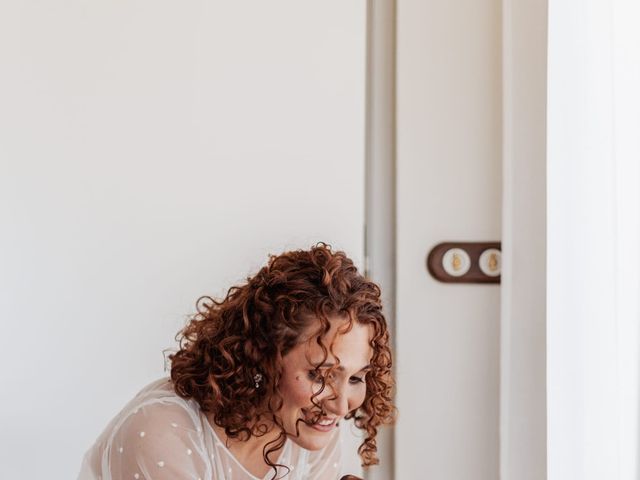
228	342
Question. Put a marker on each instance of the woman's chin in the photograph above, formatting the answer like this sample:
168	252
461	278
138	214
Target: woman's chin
312	439
309	444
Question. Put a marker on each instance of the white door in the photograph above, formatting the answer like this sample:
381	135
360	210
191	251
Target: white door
449	189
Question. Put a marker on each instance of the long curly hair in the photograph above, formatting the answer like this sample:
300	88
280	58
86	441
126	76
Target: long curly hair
230	341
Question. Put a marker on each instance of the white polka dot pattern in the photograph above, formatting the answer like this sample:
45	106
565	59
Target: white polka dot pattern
164	437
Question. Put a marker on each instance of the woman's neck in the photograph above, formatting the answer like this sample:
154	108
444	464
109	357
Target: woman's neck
249	452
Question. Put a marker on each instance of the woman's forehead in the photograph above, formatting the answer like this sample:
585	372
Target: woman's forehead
348	345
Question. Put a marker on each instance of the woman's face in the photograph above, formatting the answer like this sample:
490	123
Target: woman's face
343	392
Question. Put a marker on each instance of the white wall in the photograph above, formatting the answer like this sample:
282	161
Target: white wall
151	152
449	188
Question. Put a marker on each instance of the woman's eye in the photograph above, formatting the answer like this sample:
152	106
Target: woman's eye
318	377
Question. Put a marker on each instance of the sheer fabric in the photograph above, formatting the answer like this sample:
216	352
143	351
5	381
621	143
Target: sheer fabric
160	436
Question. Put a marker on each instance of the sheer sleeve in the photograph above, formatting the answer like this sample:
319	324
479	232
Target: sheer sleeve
159	441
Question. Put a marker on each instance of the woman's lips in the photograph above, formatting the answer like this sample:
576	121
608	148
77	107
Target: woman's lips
322	424
323	428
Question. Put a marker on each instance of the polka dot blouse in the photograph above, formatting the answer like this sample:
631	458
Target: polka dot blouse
160	436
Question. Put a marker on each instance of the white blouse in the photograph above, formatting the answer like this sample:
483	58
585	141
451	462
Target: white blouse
161	436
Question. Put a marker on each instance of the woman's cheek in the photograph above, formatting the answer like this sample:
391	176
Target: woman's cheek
362	394
302	391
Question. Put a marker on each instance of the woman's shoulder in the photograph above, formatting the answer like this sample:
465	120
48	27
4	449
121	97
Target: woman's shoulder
158	402
155	407
160	388
155	423
159	391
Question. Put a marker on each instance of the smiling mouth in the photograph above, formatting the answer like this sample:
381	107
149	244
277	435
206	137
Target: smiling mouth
325	422
322	424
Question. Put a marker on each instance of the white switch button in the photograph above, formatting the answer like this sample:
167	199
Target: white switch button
490	262
456	262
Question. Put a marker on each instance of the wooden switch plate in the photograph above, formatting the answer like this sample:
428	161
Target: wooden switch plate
463	262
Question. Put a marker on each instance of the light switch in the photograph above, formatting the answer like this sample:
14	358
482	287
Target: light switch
465	262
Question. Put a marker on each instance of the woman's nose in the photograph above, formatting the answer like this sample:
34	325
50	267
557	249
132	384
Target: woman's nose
337	402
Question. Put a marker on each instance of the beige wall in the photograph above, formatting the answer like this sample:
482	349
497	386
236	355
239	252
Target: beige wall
152	152
449	188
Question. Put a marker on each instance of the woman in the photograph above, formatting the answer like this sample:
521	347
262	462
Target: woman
263	382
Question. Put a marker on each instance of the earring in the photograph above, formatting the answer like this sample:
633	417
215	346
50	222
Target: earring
257	378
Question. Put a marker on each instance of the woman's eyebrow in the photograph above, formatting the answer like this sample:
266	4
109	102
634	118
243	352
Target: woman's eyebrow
341	367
